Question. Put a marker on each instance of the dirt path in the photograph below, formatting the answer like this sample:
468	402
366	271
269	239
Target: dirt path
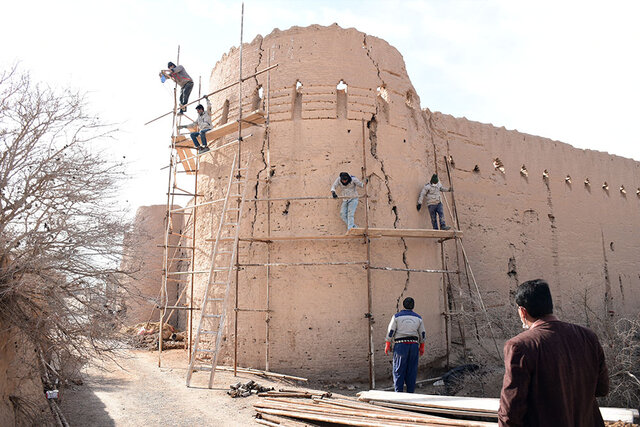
138	393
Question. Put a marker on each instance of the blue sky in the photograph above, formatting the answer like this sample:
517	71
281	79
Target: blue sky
566	70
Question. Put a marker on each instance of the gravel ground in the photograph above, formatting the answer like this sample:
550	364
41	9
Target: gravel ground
133	391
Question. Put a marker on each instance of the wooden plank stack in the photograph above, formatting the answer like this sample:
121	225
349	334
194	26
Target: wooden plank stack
483	407
282	411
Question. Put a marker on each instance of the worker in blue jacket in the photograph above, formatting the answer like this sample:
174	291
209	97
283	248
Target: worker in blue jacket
406	330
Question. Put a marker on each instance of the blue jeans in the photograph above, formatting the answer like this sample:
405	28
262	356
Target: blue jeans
405	366
203	137
433	210
347	211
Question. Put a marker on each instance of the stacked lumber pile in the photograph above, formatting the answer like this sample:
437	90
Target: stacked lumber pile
465	407
286	411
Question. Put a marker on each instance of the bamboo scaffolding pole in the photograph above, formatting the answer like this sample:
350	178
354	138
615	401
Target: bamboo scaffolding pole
302	264
457	222
193	262
239	156
369	315
267	317
168	225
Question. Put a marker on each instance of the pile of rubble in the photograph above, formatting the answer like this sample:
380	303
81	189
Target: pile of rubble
145	335
247	389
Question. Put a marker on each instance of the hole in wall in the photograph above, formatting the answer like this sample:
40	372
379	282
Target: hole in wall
498	165
545	174
638	192
256	102
567	179
622	190
224	117
296	112
611	246
409	99
523	171
476	169
261	92
451	162
341	100
587	183
382	93
605	186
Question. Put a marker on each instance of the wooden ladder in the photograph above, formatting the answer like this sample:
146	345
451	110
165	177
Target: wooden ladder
223	256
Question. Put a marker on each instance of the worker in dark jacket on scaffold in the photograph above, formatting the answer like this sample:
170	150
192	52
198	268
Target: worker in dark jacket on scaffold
406	330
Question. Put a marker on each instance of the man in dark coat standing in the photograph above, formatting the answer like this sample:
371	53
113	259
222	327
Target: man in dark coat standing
554	370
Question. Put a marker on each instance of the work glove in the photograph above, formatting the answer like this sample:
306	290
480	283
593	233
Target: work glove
421	349
419	206
387	347
333	193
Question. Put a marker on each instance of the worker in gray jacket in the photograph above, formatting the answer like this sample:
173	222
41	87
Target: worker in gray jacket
407	331
178	74
347	184
202	125
434	202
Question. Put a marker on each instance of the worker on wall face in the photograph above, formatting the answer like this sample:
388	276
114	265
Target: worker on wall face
178	74
407	331
434	202
554	370
347	184
202	125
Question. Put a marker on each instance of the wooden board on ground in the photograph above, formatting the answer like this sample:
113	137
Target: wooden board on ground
485	405
406	232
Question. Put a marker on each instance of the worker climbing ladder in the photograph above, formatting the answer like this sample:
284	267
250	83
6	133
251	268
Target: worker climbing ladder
214	303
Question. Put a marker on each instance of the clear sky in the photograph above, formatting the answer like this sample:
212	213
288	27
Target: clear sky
566	70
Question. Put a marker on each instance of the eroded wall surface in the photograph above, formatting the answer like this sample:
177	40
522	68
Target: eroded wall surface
317	323
339	99
22	399
582	238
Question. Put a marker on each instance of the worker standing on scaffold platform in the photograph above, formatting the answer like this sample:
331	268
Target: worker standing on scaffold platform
347	183
434	202
407	331
202	125
178	74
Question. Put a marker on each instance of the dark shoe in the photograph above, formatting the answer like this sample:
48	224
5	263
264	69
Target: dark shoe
179	112
446	227
204	150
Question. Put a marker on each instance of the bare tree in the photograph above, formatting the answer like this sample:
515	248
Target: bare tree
60	227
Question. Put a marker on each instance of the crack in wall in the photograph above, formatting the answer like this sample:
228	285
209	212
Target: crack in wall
262	149
607	279
554	242
372	125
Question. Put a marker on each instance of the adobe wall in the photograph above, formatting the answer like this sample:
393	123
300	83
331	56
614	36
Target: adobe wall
581	238
22	399
144	257
318	324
